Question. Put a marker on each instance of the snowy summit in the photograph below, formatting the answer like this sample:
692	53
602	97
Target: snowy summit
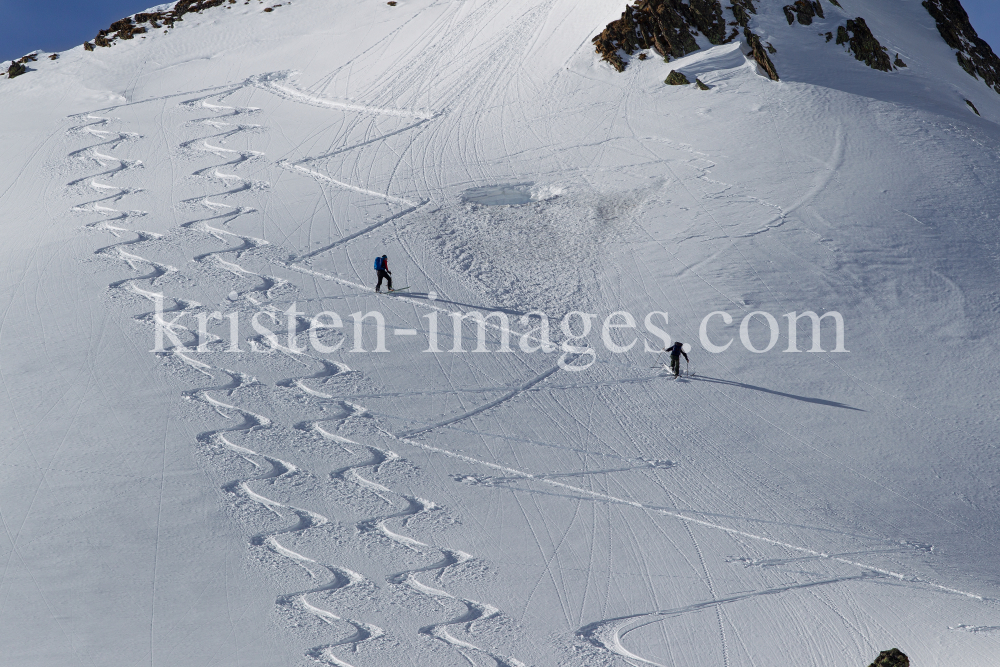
521	333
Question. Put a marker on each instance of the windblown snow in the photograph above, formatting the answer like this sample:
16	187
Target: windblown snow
287	494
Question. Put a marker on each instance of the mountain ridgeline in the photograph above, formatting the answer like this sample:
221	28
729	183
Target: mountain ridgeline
974	55
669	28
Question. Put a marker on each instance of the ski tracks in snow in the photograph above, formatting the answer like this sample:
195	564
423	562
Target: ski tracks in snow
383	525
249	495
328	578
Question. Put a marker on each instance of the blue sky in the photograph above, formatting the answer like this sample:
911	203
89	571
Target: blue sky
57	25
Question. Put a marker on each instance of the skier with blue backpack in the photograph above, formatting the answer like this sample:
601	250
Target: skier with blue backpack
383	272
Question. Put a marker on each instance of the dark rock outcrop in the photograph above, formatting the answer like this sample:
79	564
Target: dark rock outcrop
759	54
129	27
974	55
891	658
701	85
862	43
898	62
669	26
803	11
16	69
742	9
666	26
969	102
676	79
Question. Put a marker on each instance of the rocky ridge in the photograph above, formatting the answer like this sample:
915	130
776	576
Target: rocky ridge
973	53
130	26
669	27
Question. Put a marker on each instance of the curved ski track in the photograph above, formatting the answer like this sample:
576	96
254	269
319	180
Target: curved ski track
474	610
330	577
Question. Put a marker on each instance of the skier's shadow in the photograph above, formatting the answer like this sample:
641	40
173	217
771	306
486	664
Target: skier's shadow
437	299
806	399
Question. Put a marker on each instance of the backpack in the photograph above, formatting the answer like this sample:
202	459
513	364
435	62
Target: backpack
378	263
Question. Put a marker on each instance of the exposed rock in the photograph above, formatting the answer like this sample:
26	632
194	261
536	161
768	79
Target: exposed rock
676	79
898	62
54	56
803	11
741	11
128	27
836	3
30	58
891	658
124	28
969	102
87	46
770	49
974	55
669	26
643	56
862	43
828	35
700	84
16	69
759	54
666	26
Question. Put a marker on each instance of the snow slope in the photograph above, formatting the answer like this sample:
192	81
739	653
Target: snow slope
279	508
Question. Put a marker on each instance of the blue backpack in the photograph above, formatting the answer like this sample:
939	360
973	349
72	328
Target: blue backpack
378	263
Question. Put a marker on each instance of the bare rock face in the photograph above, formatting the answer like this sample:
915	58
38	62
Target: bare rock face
862	43
666	26
742	9
669	27
973	107
676	79
891	658
759	54
974	55
16	69
803	11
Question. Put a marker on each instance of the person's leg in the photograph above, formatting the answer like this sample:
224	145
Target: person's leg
675	365
388	280
378	285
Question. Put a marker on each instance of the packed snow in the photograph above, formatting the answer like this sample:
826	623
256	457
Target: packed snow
197	470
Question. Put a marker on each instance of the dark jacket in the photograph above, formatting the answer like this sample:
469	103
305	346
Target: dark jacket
676	350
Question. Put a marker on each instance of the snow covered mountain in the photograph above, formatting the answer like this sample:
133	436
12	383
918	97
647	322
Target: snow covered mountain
197	468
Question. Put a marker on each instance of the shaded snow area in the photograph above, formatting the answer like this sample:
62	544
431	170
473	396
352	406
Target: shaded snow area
259	488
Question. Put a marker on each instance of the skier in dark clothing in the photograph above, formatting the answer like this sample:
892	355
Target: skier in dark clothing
382	269
676	350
